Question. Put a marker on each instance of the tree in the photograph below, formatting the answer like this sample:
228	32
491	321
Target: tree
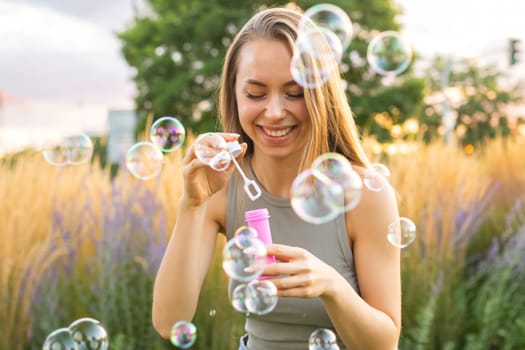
177	50
478	105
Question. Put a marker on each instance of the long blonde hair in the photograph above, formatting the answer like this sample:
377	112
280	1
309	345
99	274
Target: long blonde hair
333	126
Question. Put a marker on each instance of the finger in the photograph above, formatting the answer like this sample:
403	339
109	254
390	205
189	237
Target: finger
190	154
291	281
298	292
287	268
229	136
285	252
244	147
193	165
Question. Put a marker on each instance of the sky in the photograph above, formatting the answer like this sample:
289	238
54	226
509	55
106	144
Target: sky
61	70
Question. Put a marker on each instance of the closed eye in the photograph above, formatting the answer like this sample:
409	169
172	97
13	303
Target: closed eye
297	95
254	96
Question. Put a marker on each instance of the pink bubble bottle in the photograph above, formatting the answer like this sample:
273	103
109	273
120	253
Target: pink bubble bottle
258	219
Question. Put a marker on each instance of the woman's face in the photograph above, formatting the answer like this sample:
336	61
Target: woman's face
271	105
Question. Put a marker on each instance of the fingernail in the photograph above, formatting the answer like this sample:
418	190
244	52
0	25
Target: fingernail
249	269
233	134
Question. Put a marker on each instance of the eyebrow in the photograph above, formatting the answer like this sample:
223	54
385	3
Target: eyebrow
261	84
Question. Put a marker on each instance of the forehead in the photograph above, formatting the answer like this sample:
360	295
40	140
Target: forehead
264	59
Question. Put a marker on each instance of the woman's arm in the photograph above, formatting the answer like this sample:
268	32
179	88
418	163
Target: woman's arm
200	215
368	321
372	320
183	268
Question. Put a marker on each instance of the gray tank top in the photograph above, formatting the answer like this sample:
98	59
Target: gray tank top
290	324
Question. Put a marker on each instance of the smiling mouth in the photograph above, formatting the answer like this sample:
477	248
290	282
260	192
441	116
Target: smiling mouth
277	132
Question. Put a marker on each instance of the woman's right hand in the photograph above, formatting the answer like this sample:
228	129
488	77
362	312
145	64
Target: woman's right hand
201	181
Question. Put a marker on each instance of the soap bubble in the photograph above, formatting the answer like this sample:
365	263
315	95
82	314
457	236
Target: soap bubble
401	232
71	150
221	161
55	153
89	334
315	198
375	177
144	160
79	149
260	297
244	235
338	169
244	263
60	339
238	298
212	149
388	53
168	134
183	334
322	339
315	56
329	17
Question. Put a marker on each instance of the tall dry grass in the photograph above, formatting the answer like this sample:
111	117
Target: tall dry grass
25	225
458	202
48	213
59	219
504	162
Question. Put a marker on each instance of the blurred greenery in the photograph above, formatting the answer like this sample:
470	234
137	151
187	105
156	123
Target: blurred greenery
475	95
177	50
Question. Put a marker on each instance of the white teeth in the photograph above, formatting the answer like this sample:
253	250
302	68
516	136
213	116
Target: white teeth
277	133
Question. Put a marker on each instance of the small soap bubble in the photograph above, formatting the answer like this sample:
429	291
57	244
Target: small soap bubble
212	312
168	134
144	160
60	339
183	334
244	235
238	298
375	177
208	146
315	198
244	263
339	169
89	334
79	149
221	161
71	150
323	339
313	58
401	232
260	297
331	18
388	53
55	153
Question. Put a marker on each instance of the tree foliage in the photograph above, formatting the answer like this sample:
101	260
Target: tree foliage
477	103
177	50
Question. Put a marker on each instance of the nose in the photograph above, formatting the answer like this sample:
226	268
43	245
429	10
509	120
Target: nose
275	107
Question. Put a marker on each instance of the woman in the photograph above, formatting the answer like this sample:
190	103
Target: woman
343	274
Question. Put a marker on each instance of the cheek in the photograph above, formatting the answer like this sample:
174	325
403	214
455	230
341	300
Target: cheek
245	114
302	111
247	109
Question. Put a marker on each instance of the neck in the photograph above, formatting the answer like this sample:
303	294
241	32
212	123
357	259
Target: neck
276	175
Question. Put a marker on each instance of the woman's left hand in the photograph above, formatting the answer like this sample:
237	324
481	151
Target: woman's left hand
299	273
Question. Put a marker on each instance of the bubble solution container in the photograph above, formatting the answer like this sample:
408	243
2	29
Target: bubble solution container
258	219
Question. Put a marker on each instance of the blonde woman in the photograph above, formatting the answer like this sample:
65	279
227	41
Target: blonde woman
343	274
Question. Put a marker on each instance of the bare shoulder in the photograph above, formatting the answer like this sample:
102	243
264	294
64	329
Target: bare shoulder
376	209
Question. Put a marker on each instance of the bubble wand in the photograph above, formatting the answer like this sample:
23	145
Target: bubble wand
251	187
